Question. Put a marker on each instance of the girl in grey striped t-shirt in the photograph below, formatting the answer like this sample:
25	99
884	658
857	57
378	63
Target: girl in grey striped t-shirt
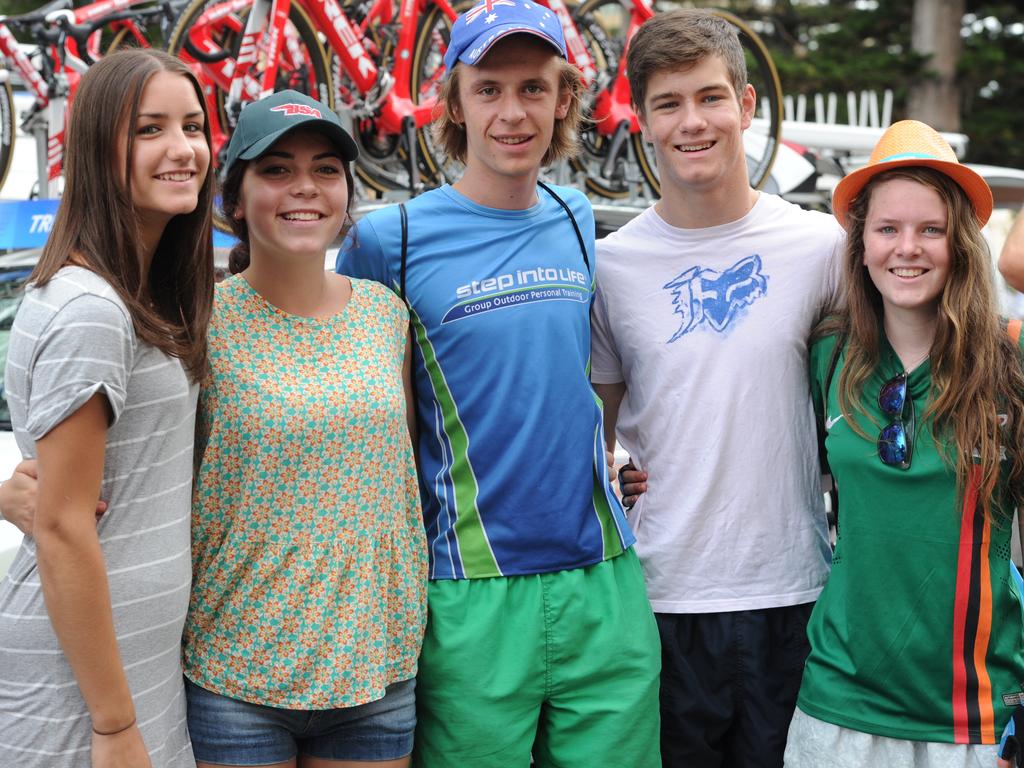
104	358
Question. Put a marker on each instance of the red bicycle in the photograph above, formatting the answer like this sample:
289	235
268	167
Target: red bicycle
68	41
615	161
247	49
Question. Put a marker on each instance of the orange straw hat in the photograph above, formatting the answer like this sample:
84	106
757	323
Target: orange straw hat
907	143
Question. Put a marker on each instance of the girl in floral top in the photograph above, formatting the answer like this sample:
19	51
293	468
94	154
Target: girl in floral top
308	551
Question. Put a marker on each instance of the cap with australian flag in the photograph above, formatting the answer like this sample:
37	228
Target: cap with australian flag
475	31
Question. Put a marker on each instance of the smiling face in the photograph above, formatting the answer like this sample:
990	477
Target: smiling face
906	245
294	196
170	156
508	105
695	122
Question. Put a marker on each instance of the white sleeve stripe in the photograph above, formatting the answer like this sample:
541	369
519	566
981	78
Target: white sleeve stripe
164	492
171	398
104	292
120	329
159	433
153	627
95	360
21	332
122	604
175	649
173	677
31	298
45	752
148	467
165	710
116	571
155	596
157	367
62	403
187	552
143	531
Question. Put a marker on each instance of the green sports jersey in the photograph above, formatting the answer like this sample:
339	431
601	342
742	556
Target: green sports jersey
919	632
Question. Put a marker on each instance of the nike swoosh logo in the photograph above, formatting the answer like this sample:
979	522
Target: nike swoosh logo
830	422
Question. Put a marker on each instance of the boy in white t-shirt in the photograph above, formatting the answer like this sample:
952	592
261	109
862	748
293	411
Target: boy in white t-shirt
705	303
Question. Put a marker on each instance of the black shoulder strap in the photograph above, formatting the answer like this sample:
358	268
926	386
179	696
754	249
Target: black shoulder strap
405	249
572	219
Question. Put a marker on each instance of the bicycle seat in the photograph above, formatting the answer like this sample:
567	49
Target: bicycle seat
39	14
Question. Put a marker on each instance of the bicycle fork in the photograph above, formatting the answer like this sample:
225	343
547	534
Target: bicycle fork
412	154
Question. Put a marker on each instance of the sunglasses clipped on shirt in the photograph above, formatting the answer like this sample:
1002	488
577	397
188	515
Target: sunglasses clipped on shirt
896	440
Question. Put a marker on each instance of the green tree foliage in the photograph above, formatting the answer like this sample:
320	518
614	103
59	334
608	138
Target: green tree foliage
992	84
14	7
853	45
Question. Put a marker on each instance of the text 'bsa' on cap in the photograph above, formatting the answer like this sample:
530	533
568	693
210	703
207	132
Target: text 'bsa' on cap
264	122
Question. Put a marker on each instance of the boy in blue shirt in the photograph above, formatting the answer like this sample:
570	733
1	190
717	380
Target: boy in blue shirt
540	637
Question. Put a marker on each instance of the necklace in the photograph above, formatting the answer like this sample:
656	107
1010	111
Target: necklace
908	368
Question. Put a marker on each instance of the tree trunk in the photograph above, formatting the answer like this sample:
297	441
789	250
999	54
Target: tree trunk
936	34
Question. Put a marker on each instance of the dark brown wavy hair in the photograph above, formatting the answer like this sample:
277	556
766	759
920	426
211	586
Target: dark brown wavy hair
231	201
976	370
96	224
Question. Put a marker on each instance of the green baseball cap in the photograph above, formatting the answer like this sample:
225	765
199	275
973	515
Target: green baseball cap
265	121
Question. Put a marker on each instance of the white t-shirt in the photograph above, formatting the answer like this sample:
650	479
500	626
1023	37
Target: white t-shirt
708	328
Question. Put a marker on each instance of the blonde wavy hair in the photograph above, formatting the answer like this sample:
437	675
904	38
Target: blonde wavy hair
976	369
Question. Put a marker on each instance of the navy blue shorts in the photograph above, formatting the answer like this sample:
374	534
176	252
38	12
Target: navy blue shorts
729	683
227	731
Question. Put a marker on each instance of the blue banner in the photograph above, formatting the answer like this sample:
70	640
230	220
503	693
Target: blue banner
26	224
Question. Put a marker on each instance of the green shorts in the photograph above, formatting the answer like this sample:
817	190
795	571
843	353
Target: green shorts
561	665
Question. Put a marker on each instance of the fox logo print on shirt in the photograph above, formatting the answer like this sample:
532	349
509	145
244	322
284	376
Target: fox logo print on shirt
702	294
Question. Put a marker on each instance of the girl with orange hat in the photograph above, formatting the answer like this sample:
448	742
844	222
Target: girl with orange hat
916	654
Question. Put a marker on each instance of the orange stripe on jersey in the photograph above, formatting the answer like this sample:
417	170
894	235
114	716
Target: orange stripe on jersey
963	584
973	715
1013	327
984	632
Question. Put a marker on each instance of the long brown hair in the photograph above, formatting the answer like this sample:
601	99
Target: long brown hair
976	370
97	226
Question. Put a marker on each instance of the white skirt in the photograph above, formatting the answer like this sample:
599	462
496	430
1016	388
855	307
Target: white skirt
813	743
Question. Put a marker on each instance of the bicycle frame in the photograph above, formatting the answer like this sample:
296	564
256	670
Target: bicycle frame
10	51
94	11
612	106
50	108
345	39
66	65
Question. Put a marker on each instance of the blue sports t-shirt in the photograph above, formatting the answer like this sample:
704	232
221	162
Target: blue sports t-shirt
511	450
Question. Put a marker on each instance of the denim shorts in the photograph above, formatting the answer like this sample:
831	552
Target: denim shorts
227	731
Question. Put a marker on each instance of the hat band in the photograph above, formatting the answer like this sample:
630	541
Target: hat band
911	156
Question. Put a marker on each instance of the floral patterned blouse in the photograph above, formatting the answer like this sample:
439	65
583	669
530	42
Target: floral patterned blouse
309	557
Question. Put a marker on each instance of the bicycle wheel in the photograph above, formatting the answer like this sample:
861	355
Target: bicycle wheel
301	63
762	74
382	164
603	26
427	75
7	130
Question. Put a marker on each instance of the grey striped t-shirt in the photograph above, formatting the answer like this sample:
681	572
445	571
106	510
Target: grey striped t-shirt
71	339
